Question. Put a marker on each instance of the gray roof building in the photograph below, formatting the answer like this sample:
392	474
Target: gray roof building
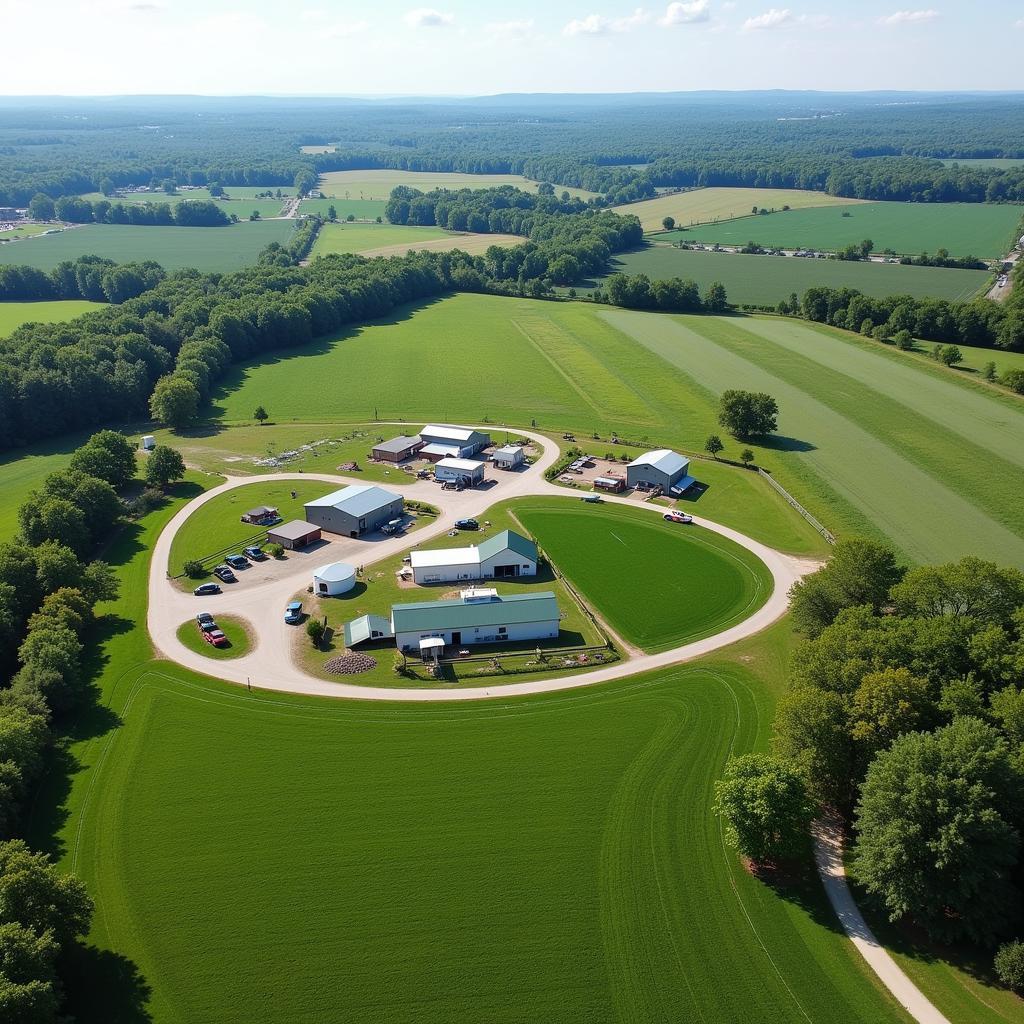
360	508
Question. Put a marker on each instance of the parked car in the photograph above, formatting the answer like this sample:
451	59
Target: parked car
592	499
237	561
224	574
466	524
216	637
204	617
678	517
256	554
207	625
293	613
206	588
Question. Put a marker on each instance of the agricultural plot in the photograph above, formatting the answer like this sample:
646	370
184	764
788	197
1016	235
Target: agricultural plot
377	184
26	231
658	584
239	201
764	280
14	314
361	209
985	230
342	238
207	249
705	205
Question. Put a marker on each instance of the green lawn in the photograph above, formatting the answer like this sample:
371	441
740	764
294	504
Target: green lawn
207	249
26	231
658	584
361	209
235	629
359	237
985	230
14	314
764	280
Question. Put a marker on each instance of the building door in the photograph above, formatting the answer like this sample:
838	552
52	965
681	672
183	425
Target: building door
503	572
456	638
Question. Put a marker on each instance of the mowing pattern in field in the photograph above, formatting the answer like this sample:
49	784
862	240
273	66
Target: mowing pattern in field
554	860
764	280
208	249
930	464
985	230
377	184
658	584
14	314
704	205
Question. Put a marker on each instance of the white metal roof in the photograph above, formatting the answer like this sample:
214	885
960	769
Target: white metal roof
440	449
663	459
467	465
445	556
452	433
357	499
508	449
336	572
429	643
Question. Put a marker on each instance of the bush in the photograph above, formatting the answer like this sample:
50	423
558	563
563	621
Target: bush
1009	964
1014	380
274	550
194	568
315	630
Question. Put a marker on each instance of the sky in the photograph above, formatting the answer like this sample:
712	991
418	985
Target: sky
304	47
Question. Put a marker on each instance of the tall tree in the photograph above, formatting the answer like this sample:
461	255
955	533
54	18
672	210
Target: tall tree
747	414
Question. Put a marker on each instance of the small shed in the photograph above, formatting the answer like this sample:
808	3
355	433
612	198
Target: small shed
367	627
148	442
398	449
663	468
259	514
609	483
294	535
334	579
508	457
468	472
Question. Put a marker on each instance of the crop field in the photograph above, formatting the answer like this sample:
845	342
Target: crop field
658	584
342	238
705	205
240	201
14	314
207	249
377	184
985	230
763	280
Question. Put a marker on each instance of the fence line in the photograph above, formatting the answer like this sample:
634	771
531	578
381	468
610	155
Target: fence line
827	534
249	542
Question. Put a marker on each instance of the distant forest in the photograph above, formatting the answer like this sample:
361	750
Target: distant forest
622	148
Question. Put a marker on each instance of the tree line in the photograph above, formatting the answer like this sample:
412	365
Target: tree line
189	213
905	714
88	277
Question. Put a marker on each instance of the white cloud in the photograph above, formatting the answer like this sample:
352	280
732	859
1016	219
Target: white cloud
511	29
686	13
599	25
1019	24
427	17
909	17
774	18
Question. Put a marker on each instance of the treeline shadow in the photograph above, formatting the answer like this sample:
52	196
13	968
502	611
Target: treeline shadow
103	987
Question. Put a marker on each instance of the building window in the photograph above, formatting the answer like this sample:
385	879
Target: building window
502	630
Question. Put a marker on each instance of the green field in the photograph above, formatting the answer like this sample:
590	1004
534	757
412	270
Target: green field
985	230
1001	163
14	314
763	280
658	584
360	237
234	629
207	249
705	205
377	184
361	209
26	231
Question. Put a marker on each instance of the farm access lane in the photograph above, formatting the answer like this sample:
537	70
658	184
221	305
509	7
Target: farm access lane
270	665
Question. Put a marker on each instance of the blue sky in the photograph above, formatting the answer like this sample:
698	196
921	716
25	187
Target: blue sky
460	48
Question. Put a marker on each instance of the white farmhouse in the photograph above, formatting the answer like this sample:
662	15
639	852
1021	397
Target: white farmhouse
504	556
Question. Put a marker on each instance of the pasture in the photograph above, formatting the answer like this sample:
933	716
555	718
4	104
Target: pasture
240	201
377	184
930	468
1001	163
706	205
206	249
14	314
342	238
361	209
985	230
26	231
658	584
764	280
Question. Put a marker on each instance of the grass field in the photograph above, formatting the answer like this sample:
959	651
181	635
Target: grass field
14	314
1000	162
361	209
763	280
377	184
26	231
985	230
705	205
208	249
239	201
658	584
239	641
362	237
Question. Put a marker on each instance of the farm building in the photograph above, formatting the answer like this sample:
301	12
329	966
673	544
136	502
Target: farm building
509	457
457	442
334	579
259	515
294	535
467	472
663	468
367	627
477	617
609	483
361	508
503	556
398	449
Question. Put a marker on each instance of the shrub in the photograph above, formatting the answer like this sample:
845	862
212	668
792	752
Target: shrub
315	630
194	568
274	550
1009	964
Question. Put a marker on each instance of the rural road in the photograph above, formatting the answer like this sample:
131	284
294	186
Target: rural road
828	854
265	588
